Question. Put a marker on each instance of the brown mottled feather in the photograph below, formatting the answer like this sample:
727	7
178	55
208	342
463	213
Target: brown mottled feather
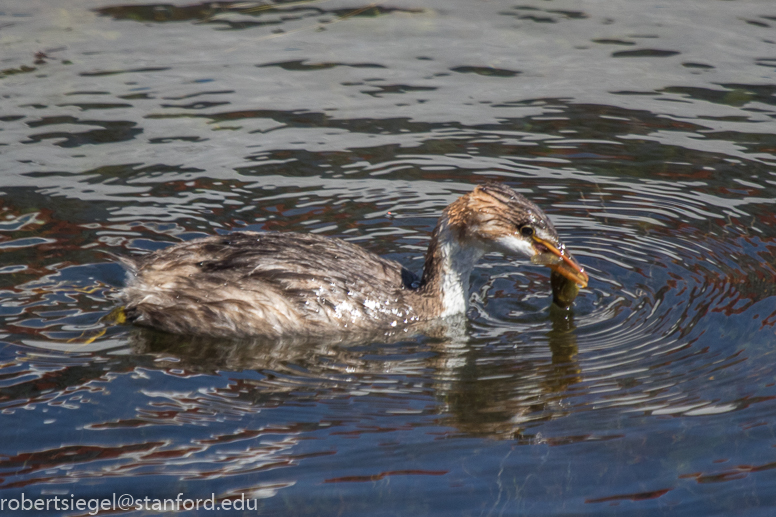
268	284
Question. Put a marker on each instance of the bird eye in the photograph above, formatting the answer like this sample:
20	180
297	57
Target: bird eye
527	231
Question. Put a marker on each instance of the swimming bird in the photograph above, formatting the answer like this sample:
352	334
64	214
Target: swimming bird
281	284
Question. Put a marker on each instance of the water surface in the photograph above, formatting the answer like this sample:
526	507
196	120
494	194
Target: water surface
646	131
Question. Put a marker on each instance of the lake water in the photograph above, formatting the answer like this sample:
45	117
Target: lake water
645	129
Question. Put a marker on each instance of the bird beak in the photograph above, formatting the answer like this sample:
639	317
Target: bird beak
559	261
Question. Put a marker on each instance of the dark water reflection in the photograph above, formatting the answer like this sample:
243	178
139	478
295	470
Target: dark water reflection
646	131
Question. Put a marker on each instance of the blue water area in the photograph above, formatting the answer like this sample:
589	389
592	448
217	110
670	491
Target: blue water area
645	130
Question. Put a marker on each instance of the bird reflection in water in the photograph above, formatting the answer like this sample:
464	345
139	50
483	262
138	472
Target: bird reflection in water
477	395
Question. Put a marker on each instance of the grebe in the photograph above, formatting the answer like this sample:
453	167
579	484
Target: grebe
277	284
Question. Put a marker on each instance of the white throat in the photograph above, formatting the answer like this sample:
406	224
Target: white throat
456	264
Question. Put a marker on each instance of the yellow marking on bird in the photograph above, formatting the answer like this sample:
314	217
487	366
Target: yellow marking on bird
117	316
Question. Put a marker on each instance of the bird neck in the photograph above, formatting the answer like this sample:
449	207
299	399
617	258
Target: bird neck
449	262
